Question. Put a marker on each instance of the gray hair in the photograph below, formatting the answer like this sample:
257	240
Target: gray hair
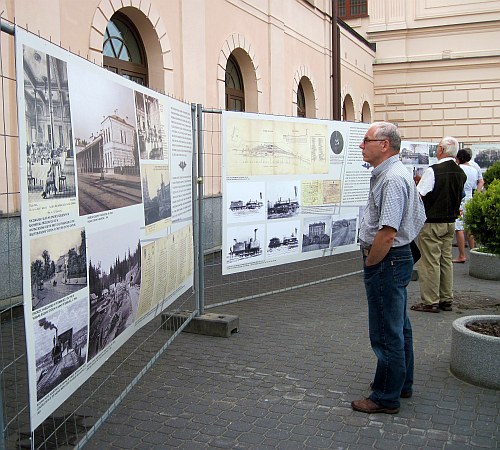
390	132
450	145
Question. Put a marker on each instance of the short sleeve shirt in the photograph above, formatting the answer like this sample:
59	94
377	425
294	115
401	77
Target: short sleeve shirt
393	201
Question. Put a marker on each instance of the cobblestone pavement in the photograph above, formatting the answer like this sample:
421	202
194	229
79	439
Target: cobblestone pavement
287	378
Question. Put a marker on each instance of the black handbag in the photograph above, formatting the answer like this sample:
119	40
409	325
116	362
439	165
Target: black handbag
415	252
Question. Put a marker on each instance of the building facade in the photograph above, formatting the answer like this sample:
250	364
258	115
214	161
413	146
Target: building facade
436	69
430	66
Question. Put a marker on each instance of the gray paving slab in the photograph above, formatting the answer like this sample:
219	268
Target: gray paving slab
287	378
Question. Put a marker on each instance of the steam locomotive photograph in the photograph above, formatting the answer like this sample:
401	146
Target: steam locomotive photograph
245	243
245	202
60	345
282	200
282	238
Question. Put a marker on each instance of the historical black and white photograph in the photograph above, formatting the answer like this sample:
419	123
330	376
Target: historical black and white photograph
49	144
58	266
60	345
283	237
485	155
414	153
245	242
114	283
107	157
283	199
156	192
245	202
150	127
343	231
316	233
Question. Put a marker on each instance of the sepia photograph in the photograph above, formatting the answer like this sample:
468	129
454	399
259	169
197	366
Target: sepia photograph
107	158
156	192
49	144
151	132
60	345
283	199
58	266
114	283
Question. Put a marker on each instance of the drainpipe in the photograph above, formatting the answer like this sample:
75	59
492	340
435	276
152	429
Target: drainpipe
335	64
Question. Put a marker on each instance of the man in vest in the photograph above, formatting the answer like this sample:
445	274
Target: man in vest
441	188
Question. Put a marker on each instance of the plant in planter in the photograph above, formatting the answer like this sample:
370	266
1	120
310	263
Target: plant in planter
482	220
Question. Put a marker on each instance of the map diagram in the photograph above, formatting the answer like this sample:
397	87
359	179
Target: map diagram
264	147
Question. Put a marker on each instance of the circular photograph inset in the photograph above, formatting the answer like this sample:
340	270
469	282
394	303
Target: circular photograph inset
337	142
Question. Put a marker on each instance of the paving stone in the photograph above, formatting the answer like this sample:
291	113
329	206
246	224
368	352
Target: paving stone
286	380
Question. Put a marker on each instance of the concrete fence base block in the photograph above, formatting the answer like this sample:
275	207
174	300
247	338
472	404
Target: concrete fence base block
208	324
475	357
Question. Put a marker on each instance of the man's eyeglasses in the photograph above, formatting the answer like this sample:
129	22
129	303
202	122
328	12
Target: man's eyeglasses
366	140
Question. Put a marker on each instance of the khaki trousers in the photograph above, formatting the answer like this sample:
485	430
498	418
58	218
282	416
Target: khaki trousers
435	268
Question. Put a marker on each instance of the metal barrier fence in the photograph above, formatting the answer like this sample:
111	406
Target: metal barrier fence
74	423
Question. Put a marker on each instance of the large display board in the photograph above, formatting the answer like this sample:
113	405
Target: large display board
292	189
106	191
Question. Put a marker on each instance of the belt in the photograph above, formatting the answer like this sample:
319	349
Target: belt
366	250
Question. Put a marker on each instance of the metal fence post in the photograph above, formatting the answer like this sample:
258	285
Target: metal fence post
199	183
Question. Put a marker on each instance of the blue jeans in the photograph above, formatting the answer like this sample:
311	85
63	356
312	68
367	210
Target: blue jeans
389	326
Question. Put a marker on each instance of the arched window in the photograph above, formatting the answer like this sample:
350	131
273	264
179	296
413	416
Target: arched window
348	109
123	51
301	102
235	93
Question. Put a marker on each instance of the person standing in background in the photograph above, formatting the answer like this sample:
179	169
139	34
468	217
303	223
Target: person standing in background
476	166
473	183
392	218
441	188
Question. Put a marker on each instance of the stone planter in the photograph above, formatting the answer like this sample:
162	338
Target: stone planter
484	265
475	357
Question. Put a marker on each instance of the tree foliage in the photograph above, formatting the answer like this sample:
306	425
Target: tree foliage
482	217
493	173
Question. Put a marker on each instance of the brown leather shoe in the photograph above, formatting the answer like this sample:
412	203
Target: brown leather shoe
370	407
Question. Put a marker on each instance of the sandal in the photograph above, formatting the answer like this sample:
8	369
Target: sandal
425	308
445	306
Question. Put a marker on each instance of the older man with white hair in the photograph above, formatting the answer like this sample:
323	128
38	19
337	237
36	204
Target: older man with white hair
441	188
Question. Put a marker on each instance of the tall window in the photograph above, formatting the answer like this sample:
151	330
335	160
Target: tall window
350	9
301	102
123	50
235	93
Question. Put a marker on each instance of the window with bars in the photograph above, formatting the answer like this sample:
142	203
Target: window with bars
350	9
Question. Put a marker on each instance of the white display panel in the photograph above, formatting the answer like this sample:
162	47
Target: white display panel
292	189
106	192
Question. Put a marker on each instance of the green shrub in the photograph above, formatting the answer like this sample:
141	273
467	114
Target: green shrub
482	217
493	173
